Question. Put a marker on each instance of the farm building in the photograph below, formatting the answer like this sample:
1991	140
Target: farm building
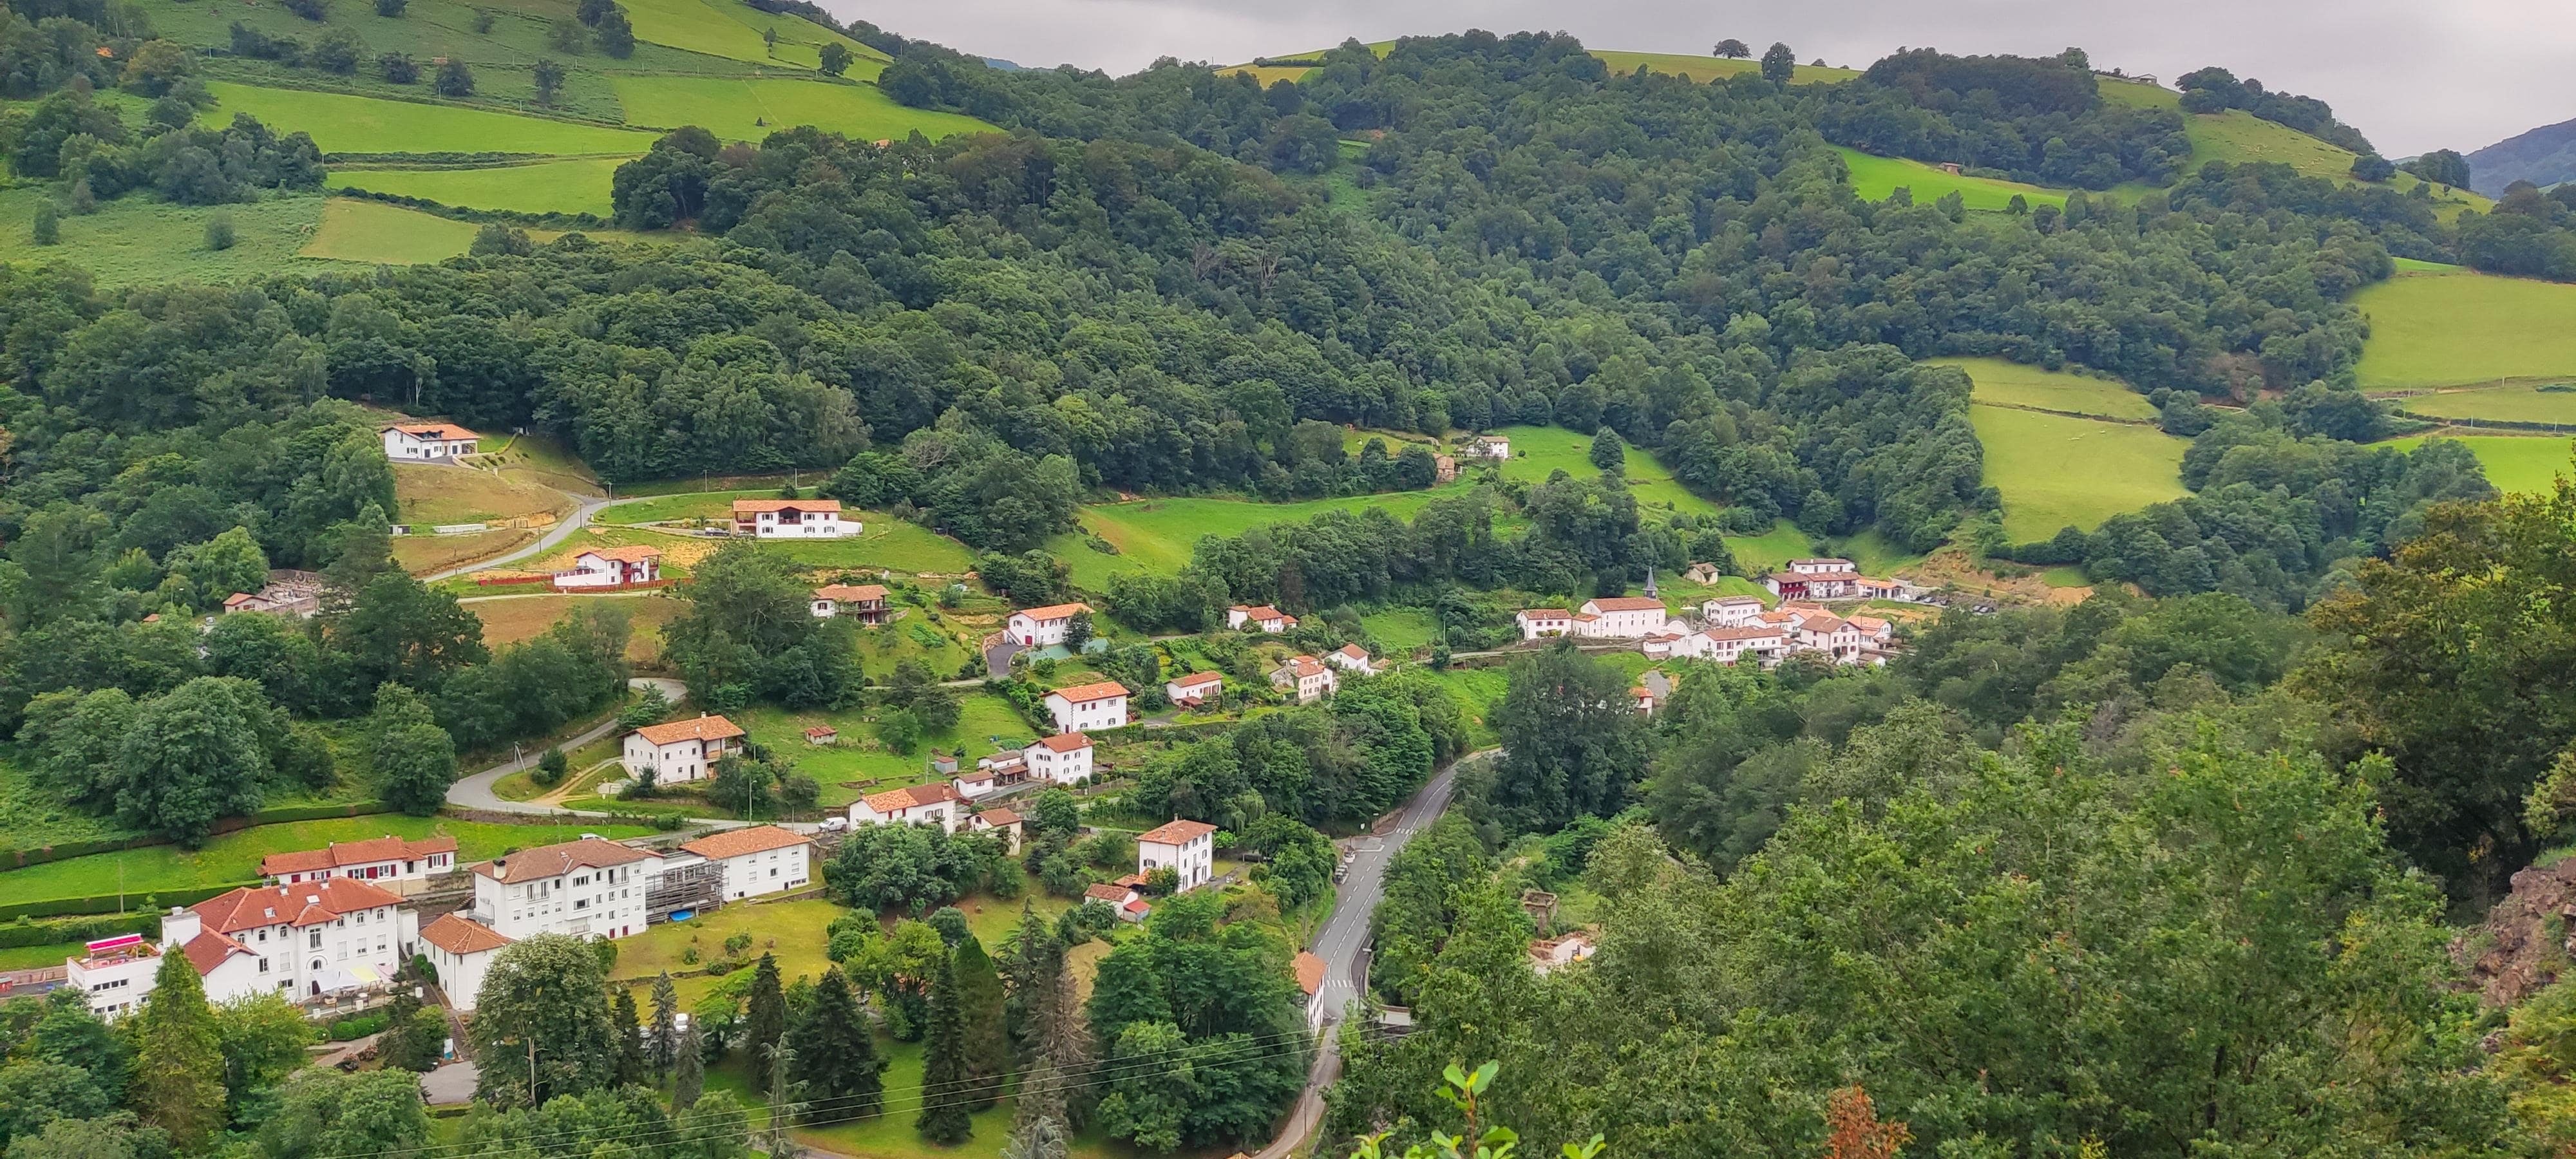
1814	579
791	519
427	442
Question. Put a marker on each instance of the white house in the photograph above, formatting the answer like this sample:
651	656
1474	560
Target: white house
1815	579
1889	589
760	859
1043	627
1726	645
791	519
1064	758
998	820
301	940
1831	635
1548	954
1537	622
117	974
426	442
1487	447
1644	700
462	951
1351	658
1872	629
1195	688
1262	617
1085	707
867	602
1305	676
1619	617
386	858
683	750
934	804
588	888
612	567
1730	611
1188	847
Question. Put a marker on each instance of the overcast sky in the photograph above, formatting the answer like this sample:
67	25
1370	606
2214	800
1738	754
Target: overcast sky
2411	74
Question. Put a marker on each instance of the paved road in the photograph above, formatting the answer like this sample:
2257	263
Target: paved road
562	530
475	792
1343	945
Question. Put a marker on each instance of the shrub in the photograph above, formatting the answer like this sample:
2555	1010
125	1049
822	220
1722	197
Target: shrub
219	231
482	20
316	11
454	79
391	8
47	229
398	68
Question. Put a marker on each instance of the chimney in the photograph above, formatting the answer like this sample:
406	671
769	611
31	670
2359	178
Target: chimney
180	927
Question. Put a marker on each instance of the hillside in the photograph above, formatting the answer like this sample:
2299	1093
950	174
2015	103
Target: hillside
2544	156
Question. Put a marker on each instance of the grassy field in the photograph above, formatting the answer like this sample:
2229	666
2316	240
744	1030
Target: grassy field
1757	554
748	110
421	554
554	187
2528	465
727	29
235	856
534	459
2013	384
792	930
2462	327
134	240
2056	471
1401	629
1157	534
509	619
437	495
1708	68
981	717
346	123
377	233
2237	136
2521	403
883	542
1874	178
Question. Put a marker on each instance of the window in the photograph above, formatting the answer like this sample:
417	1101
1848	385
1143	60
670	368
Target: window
313	941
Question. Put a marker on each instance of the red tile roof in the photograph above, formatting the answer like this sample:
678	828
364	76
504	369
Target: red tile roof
998	817
1113	894
1625	603
1195	679
546	861
736	842
1310	972
1053	611
628	553
1086	693
894	799
1545	613
1354	652
698	728
850	592
1065	742
457	934
209	949
756	506
306	904
442	431
1745	633
1303	666
1176	833
339	853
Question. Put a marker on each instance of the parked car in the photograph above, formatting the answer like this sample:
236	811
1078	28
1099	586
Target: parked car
834	824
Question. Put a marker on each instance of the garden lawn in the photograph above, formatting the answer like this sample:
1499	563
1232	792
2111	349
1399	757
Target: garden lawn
354	230
2462	328
345	123
748	110
2527	465
2056	472
32	957
552	187
796	928
2521	403
2014	384
234	857
1874	178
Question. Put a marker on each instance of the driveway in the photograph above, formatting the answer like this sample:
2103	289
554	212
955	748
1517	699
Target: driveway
475	792
581	516
997	659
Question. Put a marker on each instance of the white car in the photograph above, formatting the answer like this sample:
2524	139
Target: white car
833	824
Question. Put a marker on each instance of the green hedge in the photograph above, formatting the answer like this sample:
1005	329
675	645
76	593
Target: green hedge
107	903
34	933
39	855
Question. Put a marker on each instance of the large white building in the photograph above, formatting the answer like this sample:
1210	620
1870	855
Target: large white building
381	859
1731	611
1043	627
1619	617
461	950
1537	622
116	974
791	519
1187	847
1729	644
938	804
427	442
301	940
760	859
1258	618
1085	707
588	888
683	750
1064	758
1815	579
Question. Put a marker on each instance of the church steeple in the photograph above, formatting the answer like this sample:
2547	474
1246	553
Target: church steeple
1650	580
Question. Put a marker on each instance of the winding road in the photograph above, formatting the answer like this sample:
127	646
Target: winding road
475	792
561	531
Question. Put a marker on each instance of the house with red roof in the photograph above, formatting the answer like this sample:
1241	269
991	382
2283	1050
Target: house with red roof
462	950
791	519
610	568
1305	677
1195	689
933	804
427	442
683	750
1043	627
382	859
863	602
1258	618
1085	707
757	859
1188	848
589	888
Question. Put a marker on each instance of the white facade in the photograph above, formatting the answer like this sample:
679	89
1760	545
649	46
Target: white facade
761	859
683	750
1537	622
1619	617
462	952
938	804
303	940
1043	627
1306	677
1731	611
1261	617
427	442
1086	707
1349	658
1832	635
1187	847
611	567
1196	686
585	889
1726	645
791	519
1487	447
1063	759
379	859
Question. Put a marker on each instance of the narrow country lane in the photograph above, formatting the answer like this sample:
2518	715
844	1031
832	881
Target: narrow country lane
475	792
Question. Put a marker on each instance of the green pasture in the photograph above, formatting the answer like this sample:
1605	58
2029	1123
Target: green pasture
2014	384
1709	68
2526	402
355	230
1401	630
731	29
1157	534
2055	471
1875	555
135	240
1875	177
2237	136
346	123
1538	452
1756	554
579	186
2464	328
2527	465
748	110
236	856
858	757
886	542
